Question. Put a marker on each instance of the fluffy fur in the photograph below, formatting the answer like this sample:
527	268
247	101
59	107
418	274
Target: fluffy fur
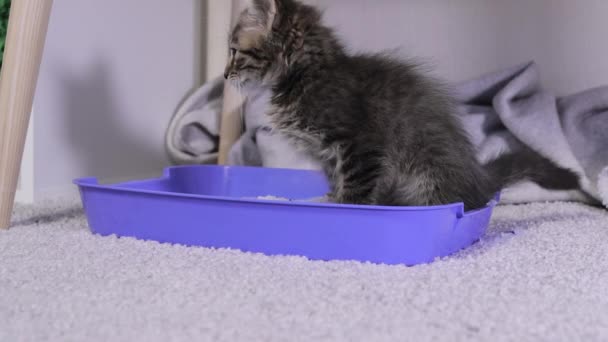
385	133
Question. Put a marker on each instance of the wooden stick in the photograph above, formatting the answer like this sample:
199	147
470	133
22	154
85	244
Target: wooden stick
27	26
231	123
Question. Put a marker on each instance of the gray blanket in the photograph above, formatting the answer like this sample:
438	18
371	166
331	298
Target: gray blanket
500	111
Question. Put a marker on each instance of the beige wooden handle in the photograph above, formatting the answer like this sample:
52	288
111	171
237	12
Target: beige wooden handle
231	122
27	28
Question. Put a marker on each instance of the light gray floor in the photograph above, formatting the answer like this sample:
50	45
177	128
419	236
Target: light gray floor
541	274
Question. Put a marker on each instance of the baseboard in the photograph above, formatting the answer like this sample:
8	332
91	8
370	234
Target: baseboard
24	197
28	193
140	176
25	185
70	191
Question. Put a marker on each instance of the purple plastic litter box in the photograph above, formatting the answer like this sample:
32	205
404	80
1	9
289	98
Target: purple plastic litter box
217	207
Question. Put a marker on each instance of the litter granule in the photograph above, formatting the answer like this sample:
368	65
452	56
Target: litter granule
322	199
273	198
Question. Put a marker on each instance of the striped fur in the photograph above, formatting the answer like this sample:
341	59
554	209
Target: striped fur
385	133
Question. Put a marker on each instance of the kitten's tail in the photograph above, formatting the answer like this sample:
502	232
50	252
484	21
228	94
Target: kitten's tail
526	164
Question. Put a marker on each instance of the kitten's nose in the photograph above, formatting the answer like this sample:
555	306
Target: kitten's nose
226	74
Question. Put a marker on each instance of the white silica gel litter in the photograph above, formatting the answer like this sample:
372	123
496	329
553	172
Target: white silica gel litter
322	199
272	198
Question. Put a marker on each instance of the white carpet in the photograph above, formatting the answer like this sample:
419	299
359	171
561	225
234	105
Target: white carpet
541	274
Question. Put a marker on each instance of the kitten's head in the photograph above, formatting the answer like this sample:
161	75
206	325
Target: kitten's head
267	39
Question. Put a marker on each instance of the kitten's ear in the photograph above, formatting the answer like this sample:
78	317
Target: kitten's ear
265	13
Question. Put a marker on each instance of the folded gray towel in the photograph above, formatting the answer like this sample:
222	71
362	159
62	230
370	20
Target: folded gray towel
501	111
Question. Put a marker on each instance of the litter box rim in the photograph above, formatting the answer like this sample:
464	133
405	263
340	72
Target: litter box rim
93	183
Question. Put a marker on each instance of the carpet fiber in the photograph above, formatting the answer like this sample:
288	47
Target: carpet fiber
541	273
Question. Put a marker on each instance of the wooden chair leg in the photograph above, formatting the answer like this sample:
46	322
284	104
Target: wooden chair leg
28	22
231	122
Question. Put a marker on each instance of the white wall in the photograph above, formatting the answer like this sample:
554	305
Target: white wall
567	38
464	38
113	72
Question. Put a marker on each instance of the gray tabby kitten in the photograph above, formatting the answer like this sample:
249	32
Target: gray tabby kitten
385	133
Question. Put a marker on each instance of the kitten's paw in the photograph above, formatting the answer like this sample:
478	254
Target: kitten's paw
331	198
